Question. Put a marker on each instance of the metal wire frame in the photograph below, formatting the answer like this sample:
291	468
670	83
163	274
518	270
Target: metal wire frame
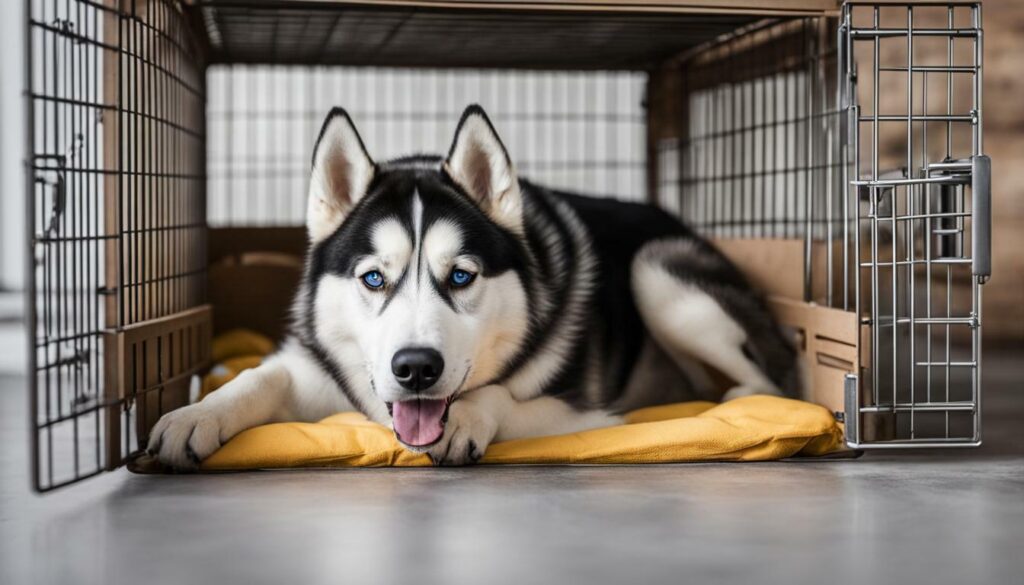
115	211
922	249
758	155
877	170
575	130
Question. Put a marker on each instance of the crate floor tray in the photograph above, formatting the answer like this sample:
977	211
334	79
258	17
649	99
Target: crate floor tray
756	428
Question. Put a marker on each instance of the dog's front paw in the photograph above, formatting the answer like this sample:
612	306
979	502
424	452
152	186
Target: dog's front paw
184	437
466	435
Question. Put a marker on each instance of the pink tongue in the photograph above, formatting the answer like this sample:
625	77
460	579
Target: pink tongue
418	422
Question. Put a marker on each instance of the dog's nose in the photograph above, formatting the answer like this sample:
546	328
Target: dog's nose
417	368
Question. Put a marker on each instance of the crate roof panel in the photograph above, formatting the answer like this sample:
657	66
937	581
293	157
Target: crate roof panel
425	33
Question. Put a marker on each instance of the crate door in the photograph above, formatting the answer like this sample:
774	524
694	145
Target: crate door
918	184
116	222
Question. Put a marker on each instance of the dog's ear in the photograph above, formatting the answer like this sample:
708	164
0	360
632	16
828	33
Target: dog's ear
342	172
479	163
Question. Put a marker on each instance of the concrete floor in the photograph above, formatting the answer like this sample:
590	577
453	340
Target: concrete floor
936	517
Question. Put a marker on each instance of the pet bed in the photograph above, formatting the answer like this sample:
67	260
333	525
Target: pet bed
755	428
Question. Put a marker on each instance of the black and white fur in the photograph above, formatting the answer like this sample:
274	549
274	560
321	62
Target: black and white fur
580	309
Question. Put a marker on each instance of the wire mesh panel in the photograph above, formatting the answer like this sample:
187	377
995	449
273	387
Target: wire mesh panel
161	161
116	202
757	104
579	131
918	187
755	154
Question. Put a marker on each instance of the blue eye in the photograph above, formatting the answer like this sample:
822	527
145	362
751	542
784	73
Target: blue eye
373	279
461	277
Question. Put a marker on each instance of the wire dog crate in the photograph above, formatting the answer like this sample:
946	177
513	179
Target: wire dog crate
833	151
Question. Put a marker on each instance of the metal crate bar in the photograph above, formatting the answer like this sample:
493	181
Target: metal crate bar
873	34
923	407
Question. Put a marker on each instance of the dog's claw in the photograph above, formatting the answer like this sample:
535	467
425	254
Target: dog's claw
154	449
191	454
474	452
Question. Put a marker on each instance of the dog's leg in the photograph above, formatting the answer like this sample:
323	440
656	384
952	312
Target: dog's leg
287	386
682	288
490	414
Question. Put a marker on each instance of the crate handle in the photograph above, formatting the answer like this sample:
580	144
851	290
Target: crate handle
981	216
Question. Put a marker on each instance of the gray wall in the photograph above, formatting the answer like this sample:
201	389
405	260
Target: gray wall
11	147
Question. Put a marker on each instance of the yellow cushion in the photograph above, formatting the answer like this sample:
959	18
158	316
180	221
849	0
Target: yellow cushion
238	343
756	428
226	371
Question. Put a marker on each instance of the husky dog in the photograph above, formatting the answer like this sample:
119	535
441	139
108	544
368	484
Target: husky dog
459	304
